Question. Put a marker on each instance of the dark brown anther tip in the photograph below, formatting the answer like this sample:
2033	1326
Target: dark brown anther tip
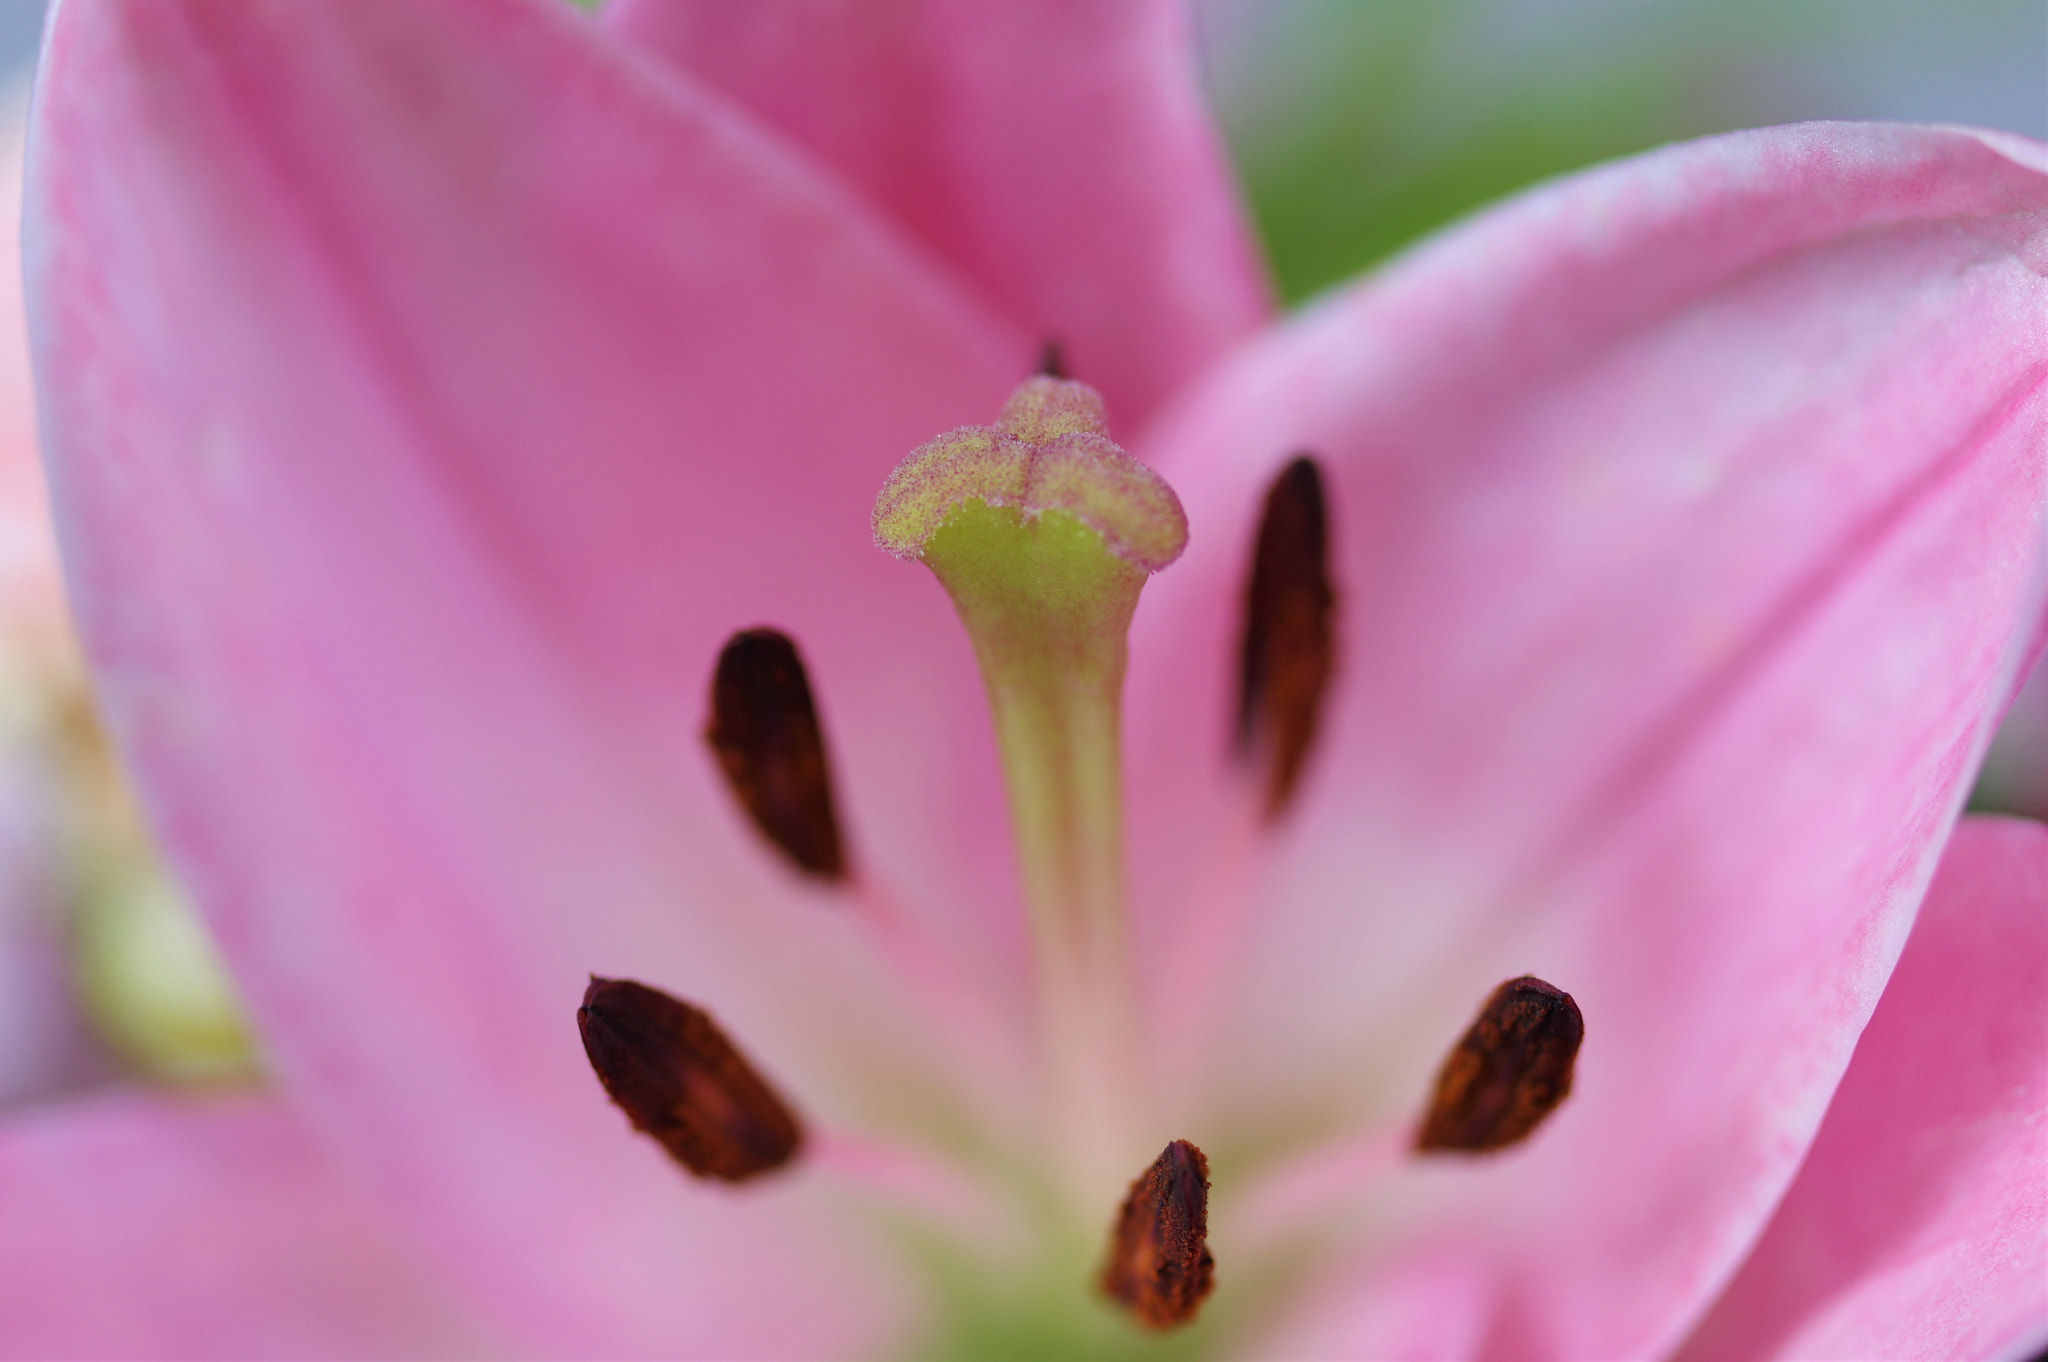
1052	360
678	1079
1289	646
764	731
1160	1267
1510	1071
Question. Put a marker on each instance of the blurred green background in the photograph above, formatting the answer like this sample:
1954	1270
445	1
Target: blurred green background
1359	125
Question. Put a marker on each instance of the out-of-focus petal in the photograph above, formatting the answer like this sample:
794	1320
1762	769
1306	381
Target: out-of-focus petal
1423	1308
1918	1225
1059	152
45	1044
147	1227
429	389
1689	521
31	596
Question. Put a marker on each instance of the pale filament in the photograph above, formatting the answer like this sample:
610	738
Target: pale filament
906	1179
1314	1186
969	1018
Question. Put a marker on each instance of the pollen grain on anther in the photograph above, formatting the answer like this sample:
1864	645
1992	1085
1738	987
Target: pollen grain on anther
764	731
1160	1267
1289	647
1508	1072
680	1080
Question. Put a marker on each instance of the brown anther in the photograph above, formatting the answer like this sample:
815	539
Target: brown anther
1510	1071
1289	645
764	731
678	1079
1052	360
1159	1261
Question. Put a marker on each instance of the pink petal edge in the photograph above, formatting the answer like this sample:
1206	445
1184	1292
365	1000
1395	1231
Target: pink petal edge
1918	1224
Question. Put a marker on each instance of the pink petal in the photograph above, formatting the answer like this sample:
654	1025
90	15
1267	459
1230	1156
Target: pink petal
1421	1308
430	389
1060	154
1690	529
1918	1225
149	1227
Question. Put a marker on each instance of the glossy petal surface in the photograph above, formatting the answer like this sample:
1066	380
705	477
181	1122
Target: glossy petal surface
1059	154
430	389
1918	1225
1689	528
147	1227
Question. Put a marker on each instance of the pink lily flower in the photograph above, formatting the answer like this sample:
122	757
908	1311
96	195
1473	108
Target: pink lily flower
430	390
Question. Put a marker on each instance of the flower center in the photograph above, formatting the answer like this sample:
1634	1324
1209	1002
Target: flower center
1043	532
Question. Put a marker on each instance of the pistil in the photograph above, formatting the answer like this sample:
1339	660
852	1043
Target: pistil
1043	532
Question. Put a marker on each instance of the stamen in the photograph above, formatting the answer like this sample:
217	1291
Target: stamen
764	731
1289	649
1052	359
678	1079
1160	1266
1511	1070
